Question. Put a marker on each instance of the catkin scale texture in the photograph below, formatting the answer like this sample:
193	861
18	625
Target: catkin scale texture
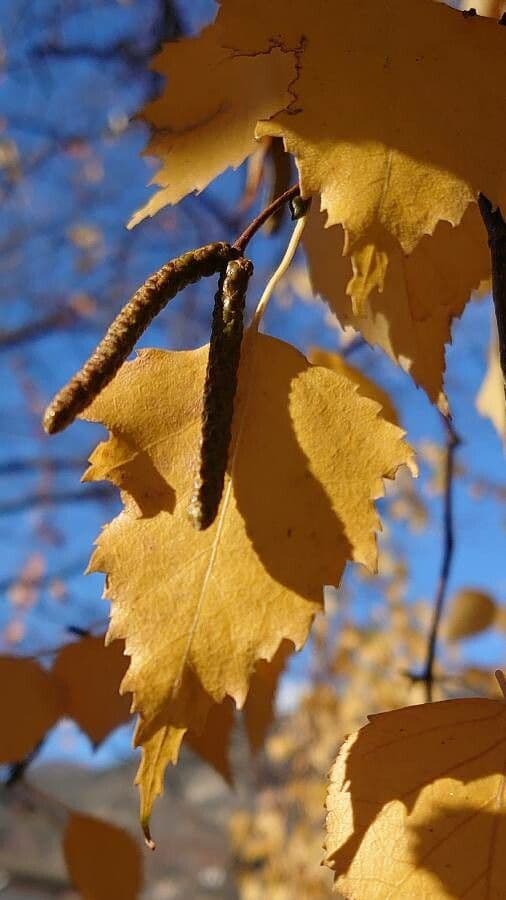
127	328
219	392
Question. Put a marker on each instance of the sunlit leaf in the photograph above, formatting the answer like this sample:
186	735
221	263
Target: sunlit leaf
416	804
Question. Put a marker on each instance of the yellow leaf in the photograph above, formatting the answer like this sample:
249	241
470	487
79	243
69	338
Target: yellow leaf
491	400
410	315
103	861
381	152
197	610
492	8
31	704
416	804
469	612
159	749
366	386
207	114
259	707
90	674
212	744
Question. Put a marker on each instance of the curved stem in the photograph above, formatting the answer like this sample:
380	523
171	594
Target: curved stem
278	274
452	442
242	242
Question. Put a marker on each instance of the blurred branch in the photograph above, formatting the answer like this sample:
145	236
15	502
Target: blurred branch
496	230
356	344
17	770
452	442
125	52
21	504
61	318
76	567
41	463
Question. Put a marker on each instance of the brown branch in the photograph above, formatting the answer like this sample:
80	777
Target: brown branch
496	230
62	318
47	498
452	442
243	240
41	464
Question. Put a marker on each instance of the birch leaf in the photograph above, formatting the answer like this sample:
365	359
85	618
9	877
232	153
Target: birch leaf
427	781
259	706
409	314
366	386
198	609
469	612
90	674
212	744
103	861
213	126
31	704
405	145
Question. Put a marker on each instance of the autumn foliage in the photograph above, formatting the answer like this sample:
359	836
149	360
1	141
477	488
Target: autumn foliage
387	110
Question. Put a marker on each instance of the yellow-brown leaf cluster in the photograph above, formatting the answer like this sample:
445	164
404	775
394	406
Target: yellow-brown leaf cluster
387	109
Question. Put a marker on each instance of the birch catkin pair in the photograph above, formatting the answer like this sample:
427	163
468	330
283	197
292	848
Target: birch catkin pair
221	376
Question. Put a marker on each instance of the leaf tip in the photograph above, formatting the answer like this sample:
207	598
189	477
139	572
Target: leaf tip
148	840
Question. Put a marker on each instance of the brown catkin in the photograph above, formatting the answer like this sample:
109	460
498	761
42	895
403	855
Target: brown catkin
127	328
219	392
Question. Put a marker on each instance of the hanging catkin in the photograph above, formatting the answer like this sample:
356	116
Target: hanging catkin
219	392
127	328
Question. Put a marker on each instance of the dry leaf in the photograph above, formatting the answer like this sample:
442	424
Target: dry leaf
469	612
366	386
199	609
410	315
31	704
90	674
103	861
210	118
416	804
491	399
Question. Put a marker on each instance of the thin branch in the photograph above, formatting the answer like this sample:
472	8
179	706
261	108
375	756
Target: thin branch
41	464
254	226
452	442
357	343
496	230
61	318
75	630
47	498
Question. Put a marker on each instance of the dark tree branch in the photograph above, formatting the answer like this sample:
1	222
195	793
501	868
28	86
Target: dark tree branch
40	464
61	318
452	442
496	230
21	504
